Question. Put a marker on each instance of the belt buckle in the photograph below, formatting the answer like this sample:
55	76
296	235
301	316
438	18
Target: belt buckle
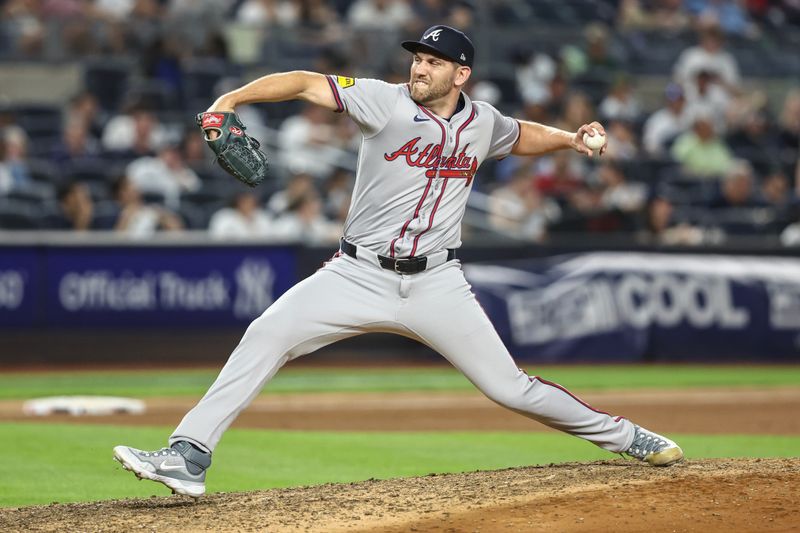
416	264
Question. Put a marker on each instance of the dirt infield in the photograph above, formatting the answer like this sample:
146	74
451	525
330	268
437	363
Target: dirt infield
713	411
720	495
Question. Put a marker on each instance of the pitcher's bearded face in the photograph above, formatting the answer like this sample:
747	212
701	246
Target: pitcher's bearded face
431	77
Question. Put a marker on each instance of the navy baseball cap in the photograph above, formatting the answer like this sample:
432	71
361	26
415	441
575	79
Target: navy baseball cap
444	41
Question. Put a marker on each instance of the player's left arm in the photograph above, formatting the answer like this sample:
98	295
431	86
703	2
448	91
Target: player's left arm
537	139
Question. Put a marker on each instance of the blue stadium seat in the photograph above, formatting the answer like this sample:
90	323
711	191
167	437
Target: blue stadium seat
33	194
746	221
107	80
194	217
204	197
154	94
105	215
99	190
99	170
200	77
508	89
15	215
43	145
40	121
44	171
150	197
654	53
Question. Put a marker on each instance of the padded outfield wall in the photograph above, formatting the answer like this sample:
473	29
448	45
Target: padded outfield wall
99	299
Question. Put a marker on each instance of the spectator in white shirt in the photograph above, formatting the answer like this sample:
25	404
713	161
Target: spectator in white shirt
244	219
380	14
298	185
618	193
709	97
136	130
137	219
307	142
710	56
621	103
667	123
304	221
518	208
6	179
268	13
166	174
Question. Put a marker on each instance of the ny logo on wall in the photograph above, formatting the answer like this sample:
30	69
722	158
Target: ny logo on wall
254	288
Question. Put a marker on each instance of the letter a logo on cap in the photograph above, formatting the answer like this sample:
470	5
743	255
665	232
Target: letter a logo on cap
434	34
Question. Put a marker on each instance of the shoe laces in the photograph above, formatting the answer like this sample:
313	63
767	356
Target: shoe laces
645	443
162	452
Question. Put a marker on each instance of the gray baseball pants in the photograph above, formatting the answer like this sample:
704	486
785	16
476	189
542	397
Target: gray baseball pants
348	297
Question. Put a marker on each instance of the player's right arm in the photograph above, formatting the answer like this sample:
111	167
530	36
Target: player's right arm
297	85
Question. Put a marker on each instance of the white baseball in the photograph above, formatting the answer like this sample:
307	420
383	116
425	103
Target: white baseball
596	142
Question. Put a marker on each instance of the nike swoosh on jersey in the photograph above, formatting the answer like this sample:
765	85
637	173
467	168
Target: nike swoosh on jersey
418	118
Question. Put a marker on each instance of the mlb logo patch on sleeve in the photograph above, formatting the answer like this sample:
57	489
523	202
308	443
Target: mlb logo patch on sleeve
345	82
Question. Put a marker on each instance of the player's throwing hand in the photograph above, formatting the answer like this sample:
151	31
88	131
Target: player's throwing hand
579	143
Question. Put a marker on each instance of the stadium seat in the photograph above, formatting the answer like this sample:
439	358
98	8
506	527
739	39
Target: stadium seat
43	145
204	197
200	77
194	217
15	215
154	94
746	221
688	191
508	89
87	171
107	80
594	84
42	170
105	215
654	53
99	190
561	13
33	194
150	197
40	121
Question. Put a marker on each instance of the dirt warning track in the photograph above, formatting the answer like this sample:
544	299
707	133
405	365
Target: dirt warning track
710	411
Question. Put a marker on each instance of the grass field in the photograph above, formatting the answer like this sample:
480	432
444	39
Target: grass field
190	382
42	463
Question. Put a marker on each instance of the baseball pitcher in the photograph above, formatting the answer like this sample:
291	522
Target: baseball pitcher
396	270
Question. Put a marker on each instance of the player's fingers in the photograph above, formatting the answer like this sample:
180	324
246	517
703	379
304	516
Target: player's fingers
599	127
578	145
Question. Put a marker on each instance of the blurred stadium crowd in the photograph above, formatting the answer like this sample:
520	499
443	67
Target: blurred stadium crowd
700	98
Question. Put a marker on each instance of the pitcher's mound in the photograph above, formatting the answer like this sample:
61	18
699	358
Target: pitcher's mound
705	495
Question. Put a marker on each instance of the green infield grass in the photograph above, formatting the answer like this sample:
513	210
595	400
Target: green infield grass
44	463
194	382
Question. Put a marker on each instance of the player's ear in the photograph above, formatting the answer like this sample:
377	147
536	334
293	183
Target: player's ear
462	75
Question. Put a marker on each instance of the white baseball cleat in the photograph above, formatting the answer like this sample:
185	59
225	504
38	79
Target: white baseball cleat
653	448
181	468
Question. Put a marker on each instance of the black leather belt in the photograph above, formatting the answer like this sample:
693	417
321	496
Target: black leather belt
410	265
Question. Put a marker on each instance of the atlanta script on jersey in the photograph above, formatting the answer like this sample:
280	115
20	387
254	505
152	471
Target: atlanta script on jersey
415	169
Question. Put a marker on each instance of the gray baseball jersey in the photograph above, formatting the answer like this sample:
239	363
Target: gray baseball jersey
415	171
